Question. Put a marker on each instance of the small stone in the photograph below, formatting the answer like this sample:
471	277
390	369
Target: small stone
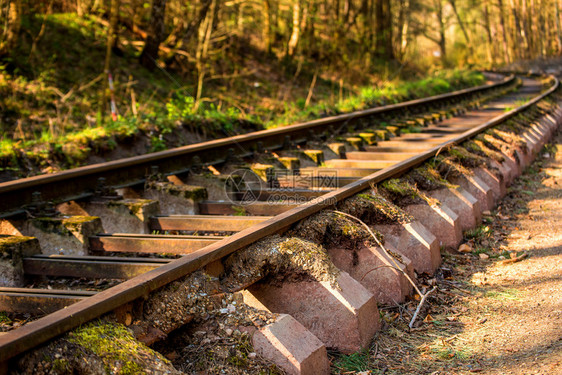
486	213
231	308
228	331
252	355
501	257
484	256
465	248
223	311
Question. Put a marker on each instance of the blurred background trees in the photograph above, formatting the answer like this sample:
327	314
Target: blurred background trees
186	33
260	58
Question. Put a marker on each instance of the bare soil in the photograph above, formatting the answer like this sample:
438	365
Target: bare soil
491	314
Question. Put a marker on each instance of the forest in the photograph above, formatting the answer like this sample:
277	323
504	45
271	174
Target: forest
73	74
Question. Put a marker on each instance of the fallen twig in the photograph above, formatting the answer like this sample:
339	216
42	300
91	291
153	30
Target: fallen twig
396	266
423	296
513	260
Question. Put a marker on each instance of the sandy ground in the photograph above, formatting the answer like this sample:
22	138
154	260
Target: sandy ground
490	316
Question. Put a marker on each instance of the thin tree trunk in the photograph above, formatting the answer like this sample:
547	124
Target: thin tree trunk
504	32
442	37
490	40
267	37
12	27
558	30
461	25
156	35
204	39
403	27
295	34
111	32
383	30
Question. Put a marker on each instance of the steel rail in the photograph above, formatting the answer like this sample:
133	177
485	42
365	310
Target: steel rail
37	332
76	183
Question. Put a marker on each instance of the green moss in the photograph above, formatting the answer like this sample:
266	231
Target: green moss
428	178
289	162
60	366
375	209
355	142
465	157
448	167
135	206
477	146
7	244
382	134
401	189
4	319
395	130
51	225
263	170
316	155
114	344
369	138
239	211
74	223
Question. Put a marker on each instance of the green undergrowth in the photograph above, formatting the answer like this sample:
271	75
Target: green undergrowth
386	93
52	85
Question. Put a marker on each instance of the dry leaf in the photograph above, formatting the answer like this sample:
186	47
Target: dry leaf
465	248
428	319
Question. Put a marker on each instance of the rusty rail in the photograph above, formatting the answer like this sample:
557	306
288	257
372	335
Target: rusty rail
80	182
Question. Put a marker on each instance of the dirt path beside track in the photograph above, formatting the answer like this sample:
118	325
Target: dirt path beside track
499	312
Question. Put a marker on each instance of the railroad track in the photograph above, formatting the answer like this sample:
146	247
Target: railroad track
200	206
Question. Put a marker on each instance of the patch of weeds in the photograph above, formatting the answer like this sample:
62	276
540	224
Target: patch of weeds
481	250
239	211
157	144
4	319
511	294
504	253
355	362
478	233
450	354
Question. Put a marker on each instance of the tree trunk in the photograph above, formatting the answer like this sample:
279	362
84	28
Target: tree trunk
442	41
14	10
267	37
403	27
490	48
156	34
111	33
504	32
462	27
558	29
203	42
383	29
295	34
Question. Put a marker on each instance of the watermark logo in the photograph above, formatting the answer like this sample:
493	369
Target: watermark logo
243	186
